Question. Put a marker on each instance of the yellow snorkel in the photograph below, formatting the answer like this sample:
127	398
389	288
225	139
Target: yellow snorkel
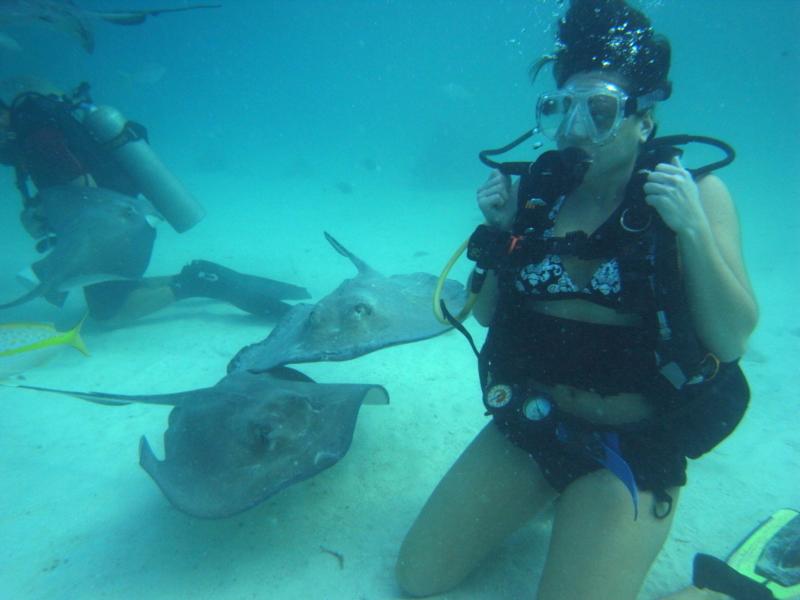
437	292
507	168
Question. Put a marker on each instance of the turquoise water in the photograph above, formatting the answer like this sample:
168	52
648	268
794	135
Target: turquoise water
362	118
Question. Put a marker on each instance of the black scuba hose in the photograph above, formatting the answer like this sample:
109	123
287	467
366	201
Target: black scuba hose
509	168
683	139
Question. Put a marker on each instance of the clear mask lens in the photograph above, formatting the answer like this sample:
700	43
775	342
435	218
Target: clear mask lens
591	113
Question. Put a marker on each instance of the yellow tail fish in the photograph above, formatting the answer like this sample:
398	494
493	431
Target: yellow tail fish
27	345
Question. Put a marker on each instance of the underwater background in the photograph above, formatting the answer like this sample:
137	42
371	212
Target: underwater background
364	119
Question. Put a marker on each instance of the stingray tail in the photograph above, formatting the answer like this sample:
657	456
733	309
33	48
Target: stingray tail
359	264
23	299
137	17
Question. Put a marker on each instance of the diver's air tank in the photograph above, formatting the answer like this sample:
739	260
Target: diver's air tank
108	126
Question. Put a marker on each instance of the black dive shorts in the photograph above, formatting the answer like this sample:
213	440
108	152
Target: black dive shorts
655	450
656	462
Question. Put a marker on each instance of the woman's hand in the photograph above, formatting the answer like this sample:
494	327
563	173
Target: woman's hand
496	202
671	190
718	290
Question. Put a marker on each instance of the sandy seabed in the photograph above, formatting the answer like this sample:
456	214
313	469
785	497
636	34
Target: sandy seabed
80	519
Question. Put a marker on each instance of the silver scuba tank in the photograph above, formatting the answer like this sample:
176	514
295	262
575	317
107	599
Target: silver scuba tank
106	124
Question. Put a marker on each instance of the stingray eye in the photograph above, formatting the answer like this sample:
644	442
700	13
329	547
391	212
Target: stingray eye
361	310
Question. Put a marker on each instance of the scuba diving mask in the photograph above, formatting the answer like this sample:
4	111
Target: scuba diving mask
592	112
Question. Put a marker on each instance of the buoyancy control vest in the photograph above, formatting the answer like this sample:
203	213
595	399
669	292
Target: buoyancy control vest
61	138
53	147
646	250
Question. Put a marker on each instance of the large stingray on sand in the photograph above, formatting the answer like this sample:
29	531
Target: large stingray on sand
366	313
66	16
99	234
232	446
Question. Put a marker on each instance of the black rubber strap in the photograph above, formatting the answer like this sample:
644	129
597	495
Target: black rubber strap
457	325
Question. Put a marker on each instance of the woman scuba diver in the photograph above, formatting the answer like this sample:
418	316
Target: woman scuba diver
618	305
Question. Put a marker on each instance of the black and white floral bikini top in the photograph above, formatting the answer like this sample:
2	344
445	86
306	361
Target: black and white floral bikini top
547	279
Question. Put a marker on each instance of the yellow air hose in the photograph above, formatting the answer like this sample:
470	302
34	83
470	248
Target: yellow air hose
437	293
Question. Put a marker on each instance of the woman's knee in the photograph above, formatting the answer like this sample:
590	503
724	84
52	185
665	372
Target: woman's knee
595	532
491	490
419	577
411	583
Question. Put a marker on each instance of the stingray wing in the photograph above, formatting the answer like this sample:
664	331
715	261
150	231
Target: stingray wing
413	306
365	314
362	315
283	345
100	234
258	436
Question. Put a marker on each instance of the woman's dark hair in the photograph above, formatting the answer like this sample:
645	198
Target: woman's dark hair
609	35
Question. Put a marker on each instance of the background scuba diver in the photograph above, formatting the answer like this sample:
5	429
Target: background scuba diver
53	139
569	367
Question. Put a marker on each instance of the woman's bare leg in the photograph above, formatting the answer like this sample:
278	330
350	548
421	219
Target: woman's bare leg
491	490
597	550
150	295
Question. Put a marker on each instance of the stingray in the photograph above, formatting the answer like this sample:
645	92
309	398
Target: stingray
99	235
366	313
67	17
231	446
